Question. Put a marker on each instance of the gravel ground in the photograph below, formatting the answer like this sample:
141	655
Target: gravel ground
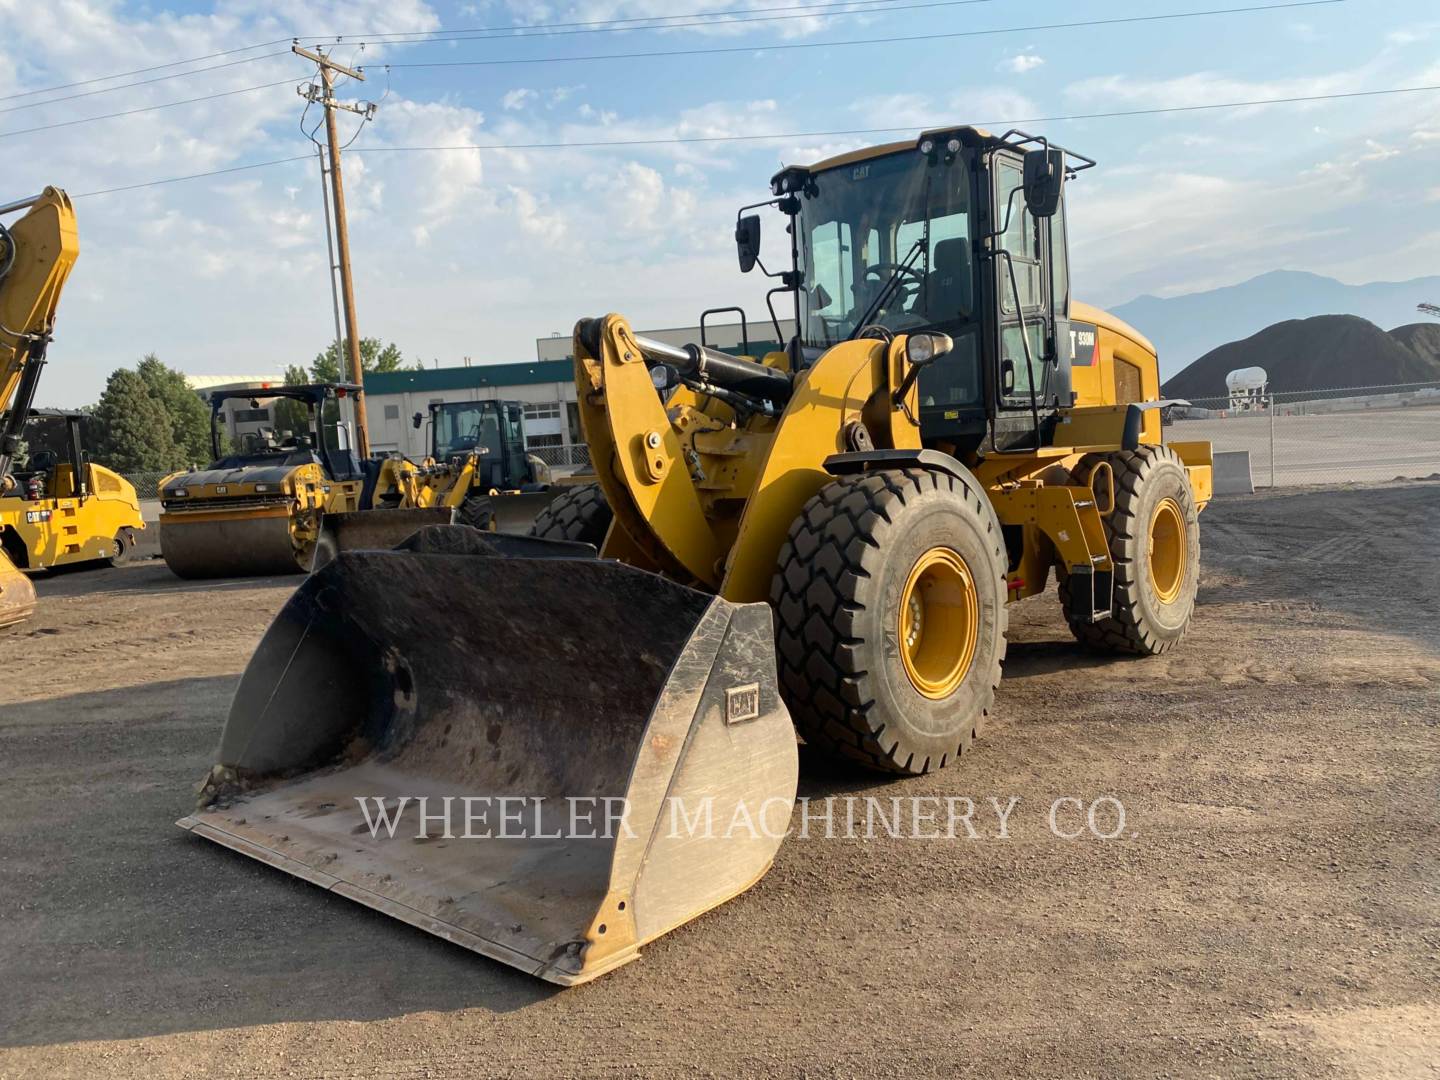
1271	908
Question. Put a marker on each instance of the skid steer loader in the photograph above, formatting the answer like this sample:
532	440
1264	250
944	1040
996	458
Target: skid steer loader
827	536
37	252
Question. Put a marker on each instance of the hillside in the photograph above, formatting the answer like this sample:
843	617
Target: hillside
1423	339
1186	327
1320	353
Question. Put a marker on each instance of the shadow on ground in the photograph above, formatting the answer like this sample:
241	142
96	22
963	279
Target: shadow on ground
120	925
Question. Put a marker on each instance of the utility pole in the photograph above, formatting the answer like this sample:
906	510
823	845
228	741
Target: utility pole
322	96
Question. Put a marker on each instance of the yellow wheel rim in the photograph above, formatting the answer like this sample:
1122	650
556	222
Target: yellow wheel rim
939	623
1167	550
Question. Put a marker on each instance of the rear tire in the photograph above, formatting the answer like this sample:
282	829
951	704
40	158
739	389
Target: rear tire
579	513
124	548
1154	535
890	613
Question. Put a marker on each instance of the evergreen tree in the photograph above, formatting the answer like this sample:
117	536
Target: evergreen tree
293	416
130	429
189	416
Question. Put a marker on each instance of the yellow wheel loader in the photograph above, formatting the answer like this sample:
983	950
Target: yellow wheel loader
826	537
507	485
37	253
288	502
63	510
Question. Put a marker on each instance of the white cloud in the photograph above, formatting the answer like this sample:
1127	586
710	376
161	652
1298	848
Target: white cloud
1020	63
518	98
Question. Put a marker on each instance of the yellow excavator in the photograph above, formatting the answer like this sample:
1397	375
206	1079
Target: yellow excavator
552	758
37	252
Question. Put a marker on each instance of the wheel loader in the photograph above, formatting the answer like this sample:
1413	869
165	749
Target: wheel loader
287	502
37	252
64	510
822	540
508	485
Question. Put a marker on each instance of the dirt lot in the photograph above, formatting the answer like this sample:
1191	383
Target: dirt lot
1272	908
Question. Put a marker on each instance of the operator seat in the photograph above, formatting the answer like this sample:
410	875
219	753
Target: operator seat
948	289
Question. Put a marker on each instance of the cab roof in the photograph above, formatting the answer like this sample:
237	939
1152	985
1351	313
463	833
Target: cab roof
971	136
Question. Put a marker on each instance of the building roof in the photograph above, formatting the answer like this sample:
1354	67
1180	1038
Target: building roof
477	376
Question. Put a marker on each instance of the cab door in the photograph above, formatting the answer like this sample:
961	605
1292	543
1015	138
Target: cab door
1024	288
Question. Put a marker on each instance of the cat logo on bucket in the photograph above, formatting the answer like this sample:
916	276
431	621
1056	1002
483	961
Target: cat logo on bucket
742	703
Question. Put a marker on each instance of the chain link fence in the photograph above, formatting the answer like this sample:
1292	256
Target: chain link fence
147	484
562	460
1365	433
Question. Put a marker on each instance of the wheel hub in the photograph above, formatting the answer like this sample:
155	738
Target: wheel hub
1167	550
939	623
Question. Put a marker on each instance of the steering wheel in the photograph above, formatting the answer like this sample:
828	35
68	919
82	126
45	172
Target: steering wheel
909	281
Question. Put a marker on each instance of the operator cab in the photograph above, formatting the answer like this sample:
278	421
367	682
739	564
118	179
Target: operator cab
326	440
494	430
959	232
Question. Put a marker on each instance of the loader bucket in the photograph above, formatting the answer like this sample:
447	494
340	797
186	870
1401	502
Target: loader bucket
17	595
516	511
565	745
381	530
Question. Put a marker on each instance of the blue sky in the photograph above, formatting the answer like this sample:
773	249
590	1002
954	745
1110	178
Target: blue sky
475	254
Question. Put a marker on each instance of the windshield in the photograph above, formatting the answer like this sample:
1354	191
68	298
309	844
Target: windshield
459	429
860	222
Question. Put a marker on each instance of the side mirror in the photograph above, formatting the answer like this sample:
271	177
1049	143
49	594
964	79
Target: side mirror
417	420
1007	376
926	348
1044	181
747	241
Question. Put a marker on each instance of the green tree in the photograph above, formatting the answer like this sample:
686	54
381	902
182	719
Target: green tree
189	416
333	365
130	429
290	415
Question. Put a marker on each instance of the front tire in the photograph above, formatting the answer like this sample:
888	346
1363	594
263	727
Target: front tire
890	613
579	513
1154	535
478	512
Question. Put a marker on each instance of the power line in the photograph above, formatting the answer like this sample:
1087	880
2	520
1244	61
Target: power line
708	18
141	71
195	176
146	108
792	135
145	82
870	41
385	38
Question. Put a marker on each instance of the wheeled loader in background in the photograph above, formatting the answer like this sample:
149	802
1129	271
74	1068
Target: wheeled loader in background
37	253
826	537
508	485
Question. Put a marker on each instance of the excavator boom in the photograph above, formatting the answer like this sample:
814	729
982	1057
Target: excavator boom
37	253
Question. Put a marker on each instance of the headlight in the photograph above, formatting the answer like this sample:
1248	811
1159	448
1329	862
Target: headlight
261	489
923	348
927	145
178	493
